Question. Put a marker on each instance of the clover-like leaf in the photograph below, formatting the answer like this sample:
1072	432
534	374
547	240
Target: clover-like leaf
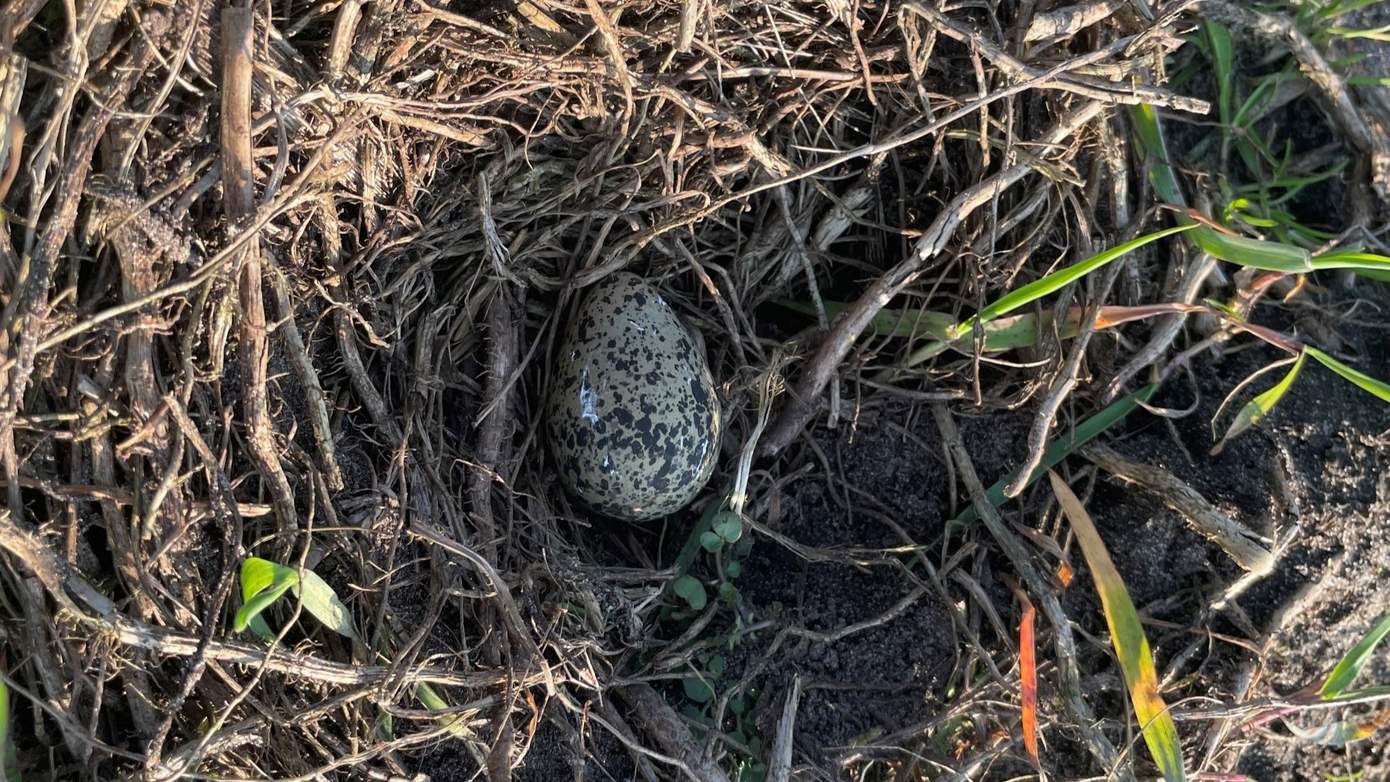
689	589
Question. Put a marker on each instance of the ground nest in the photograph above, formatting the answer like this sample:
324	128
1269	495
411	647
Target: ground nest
282	287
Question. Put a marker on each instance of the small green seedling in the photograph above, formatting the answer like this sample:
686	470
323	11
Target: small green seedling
263	582
1258	408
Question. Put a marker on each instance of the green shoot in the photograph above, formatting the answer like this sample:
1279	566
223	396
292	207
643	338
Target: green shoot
9	761
457	724
263	582
1256	409
1242	250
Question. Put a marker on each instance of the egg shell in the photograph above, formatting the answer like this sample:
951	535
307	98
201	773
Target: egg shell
631	417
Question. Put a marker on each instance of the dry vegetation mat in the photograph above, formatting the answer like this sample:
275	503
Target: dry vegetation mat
283	284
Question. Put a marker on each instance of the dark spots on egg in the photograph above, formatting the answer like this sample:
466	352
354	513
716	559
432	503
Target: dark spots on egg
646	445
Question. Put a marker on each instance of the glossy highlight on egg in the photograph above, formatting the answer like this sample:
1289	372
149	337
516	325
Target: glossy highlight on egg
631	416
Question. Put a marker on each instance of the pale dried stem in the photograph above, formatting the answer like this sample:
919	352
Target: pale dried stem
238	182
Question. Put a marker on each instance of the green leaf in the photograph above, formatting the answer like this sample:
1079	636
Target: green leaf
323	604
716	666
1373	265
258	626
1256	409
1060	279
691	549
1062	447
1127	637
1350	665
689	589
1360	379
262	583
711	542
1223	59
728	526
698	689
733	569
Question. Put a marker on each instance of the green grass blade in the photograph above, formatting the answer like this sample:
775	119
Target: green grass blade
1334	10
1223	59
1127	637
1259	407
1054	282
1350	665
1007	333
1064	446
262	583
1360	379
1353	260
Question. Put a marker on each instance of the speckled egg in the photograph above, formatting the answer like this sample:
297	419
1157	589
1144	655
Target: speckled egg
631	416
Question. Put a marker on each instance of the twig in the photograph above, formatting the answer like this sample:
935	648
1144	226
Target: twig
22	312
238	173
1065	381
1167	328
780	764
493	435
1070	19
66	587
1095	89
224	509
1216	526
661	723
308	378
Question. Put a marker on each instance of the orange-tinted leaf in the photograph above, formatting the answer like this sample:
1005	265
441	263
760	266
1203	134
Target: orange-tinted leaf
1065	574
1028	673
1127	637
1115	315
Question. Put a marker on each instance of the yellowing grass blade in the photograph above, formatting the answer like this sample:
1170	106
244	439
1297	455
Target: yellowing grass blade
1127	636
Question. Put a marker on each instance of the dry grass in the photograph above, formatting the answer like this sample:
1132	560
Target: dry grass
283	280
